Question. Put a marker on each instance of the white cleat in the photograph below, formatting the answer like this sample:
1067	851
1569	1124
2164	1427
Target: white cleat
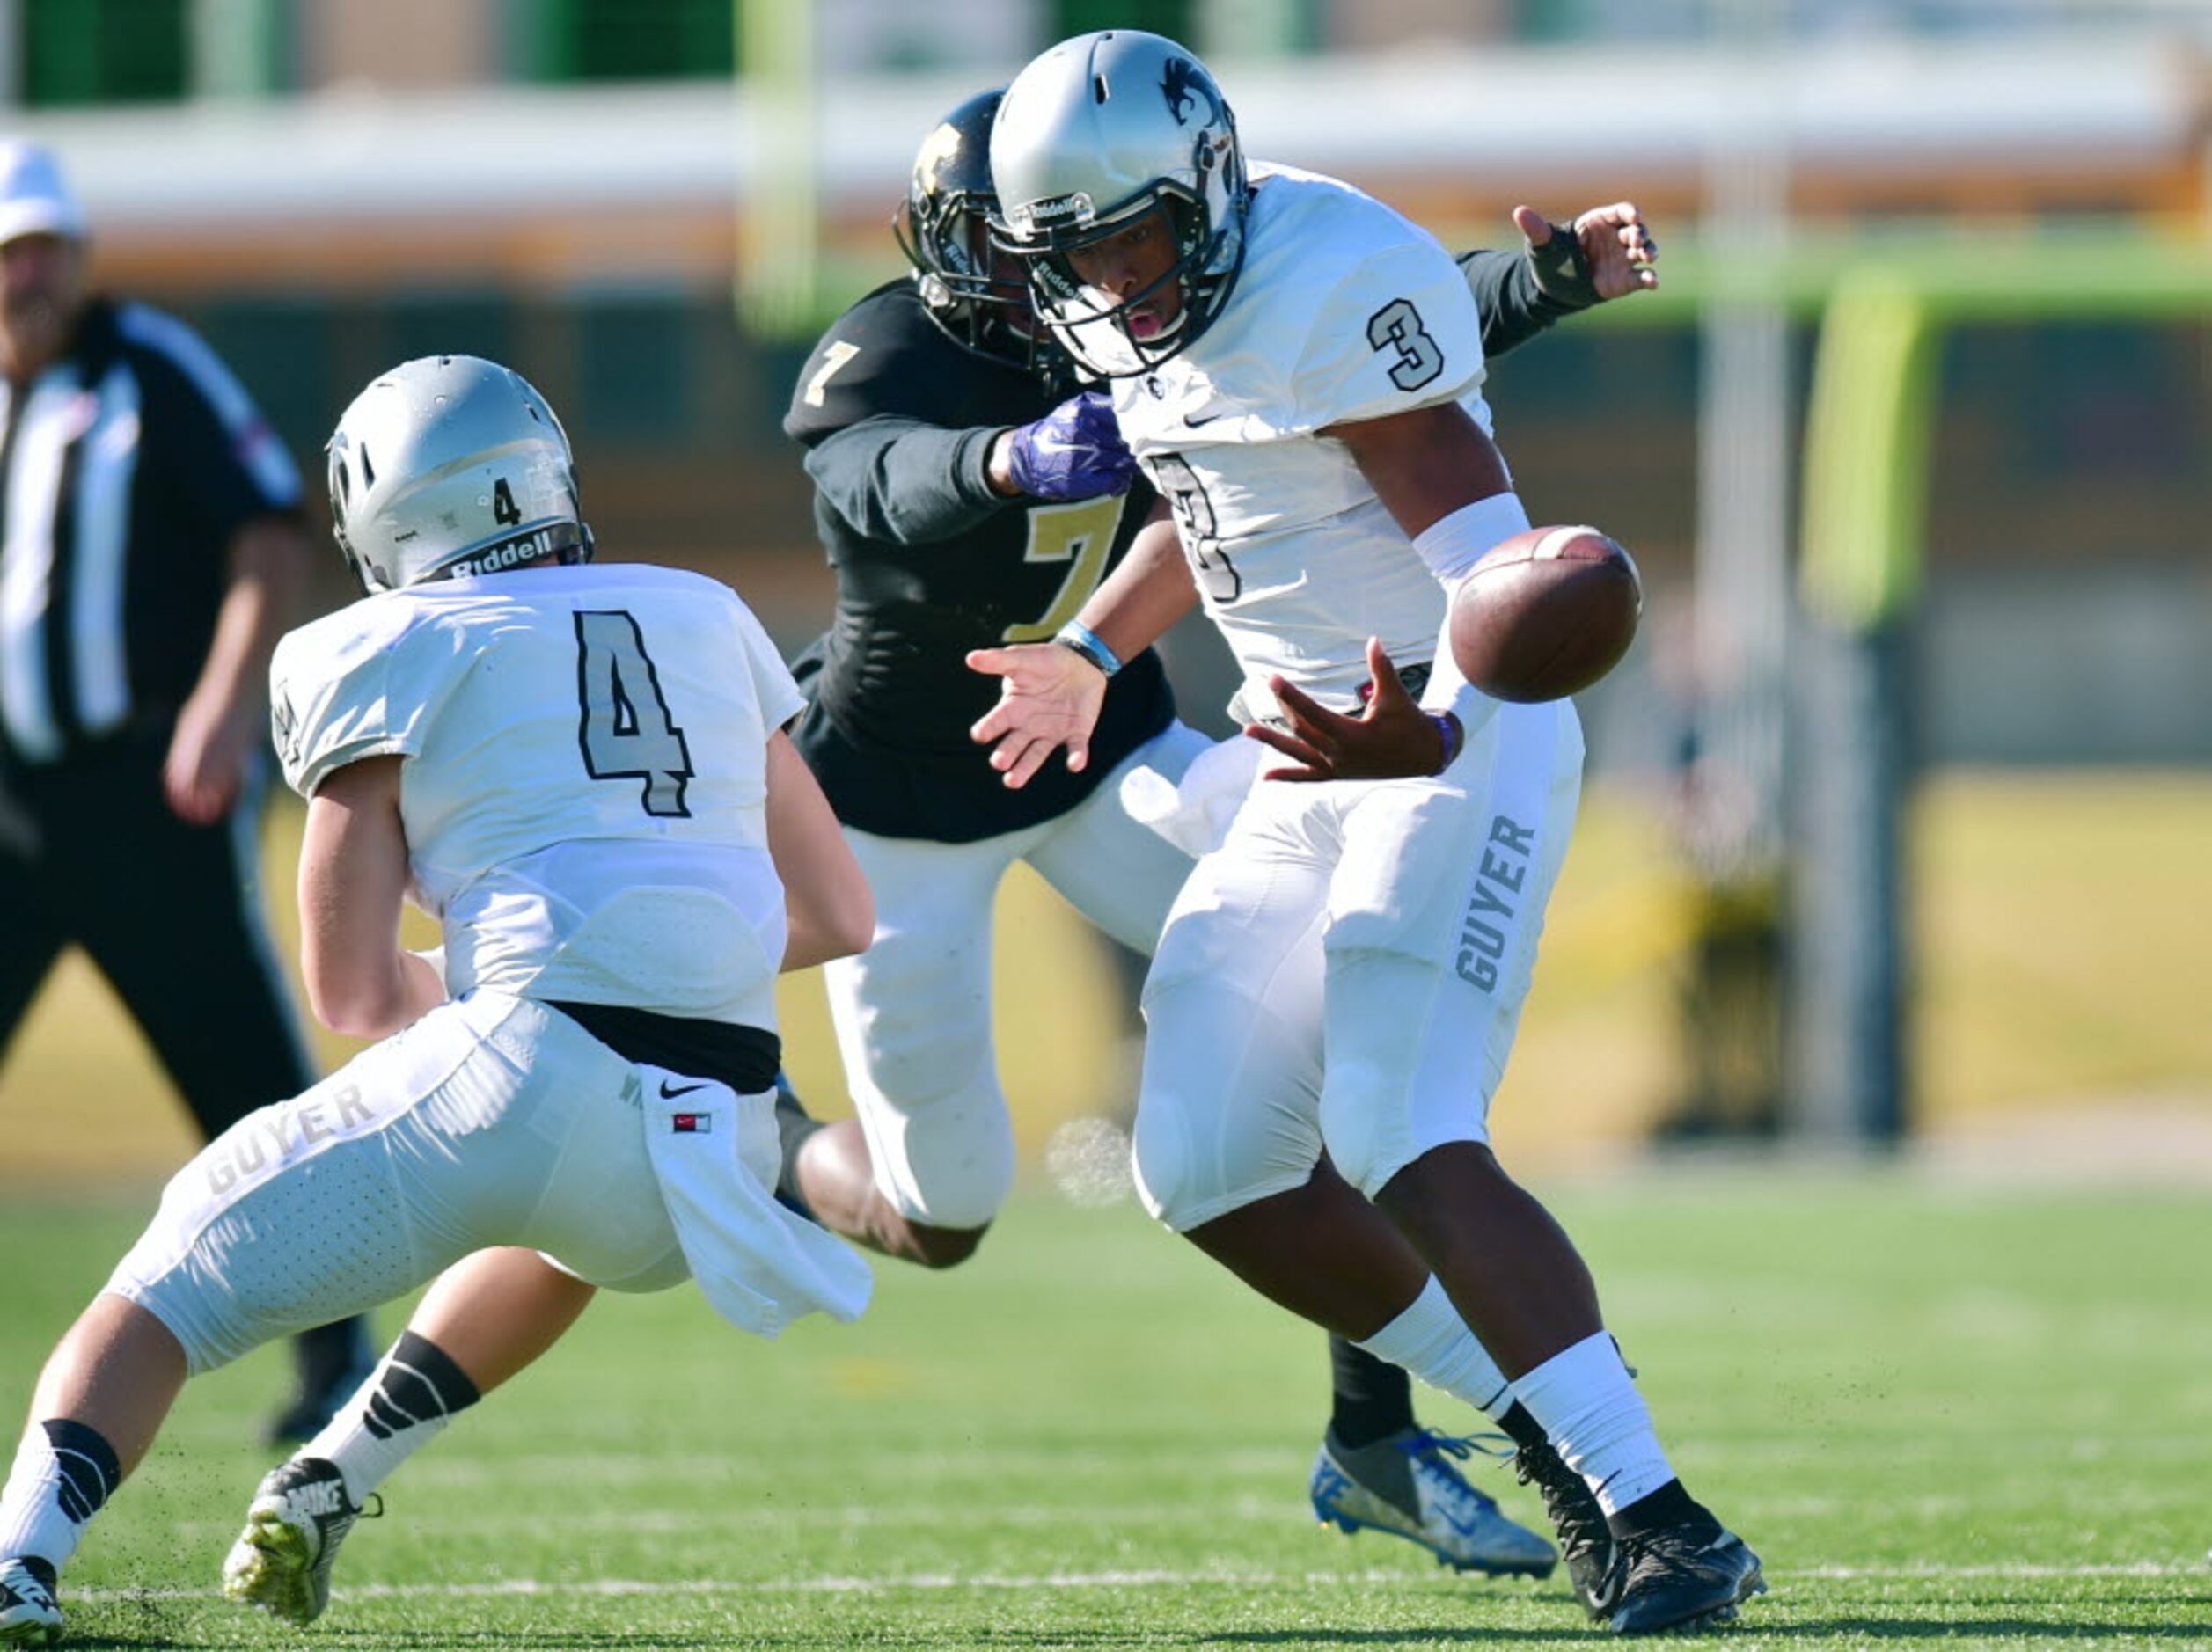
1406	1485
280	1563
28	1616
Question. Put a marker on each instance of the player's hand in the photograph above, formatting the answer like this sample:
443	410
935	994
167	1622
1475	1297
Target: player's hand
1075	451
1607	252
1048	698
1391	739
204	770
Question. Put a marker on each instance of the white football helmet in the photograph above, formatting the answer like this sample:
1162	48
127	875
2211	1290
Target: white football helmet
1090	137
451	464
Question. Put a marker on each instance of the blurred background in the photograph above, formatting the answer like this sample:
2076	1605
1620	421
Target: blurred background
1899	834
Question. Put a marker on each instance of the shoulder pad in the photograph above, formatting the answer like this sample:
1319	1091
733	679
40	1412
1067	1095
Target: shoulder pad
1383	317
352	684
1398	332
883	355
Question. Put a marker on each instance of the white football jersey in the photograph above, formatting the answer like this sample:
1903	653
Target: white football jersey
584	797
1344	311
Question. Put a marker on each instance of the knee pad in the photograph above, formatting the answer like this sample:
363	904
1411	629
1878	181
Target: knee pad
949	1162
207	1328
1226	1113
1410	1065
1365	1131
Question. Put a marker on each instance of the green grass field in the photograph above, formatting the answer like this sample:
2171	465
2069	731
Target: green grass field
1943	1411
2052	969
1943	1415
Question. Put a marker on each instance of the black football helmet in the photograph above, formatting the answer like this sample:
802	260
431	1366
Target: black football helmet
979	297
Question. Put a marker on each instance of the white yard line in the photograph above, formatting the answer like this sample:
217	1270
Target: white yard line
1143	1579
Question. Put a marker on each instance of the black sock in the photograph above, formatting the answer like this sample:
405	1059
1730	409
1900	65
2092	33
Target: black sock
1523	1429
1668	1506
90	1471
794	1127
1372	1398
420	1381
326	1353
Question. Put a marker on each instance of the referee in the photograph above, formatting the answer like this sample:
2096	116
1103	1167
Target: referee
150	555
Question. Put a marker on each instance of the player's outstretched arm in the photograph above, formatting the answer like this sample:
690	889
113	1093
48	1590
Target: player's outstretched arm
829	910
1049	698
905	481
1604	253
1445	483
352	877
1050	692
1075	451
1425	465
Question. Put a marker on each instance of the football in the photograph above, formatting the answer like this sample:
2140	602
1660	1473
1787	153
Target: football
1545	613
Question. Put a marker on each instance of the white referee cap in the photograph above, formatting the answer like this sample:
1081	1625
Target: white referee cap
34	198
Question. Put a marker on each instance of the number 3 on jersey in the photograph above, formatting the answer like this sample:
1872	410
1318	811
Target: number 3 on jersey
1397	325
626	731
1196	526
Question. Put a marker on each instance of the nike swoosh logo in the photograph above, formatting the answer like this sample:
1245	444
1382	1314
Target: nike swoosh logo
1465	1528
670	1095
1193	420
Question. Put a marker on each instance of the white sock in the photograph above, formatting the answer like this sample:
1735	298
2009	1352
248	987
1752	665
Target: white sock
405	1404
1431	1340
1587	1403
63	1472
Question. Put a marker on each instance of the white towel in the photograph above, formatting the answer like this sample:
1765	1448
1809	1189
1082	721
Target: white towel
714	1153
1194	814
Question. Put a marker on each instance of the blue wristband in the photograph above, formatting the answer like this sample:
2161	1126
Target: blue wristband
1081	639
1448	725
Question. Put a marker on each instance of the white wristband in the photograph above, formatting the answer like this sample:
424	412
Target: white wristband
1452	545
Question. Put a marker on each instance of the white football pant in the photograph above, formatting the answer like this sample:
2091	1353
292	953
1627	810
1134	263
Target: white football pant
913	1011
1347	971
492	1121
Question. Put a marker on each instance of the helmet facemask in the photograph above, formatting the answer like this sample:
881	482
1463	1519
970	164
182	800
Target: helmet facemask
975	294
1096	328
968	288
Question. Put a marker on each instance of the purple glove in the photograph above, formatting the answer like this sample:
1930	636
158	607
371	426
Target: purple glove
1075	451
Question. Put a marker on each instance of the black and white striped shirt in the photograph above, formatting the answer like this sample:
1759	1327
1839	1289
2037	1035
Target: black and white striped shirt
125	469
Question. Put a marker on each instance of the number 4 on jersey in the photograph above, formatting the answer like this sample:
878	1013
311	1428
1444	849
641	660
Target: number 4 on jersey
626	732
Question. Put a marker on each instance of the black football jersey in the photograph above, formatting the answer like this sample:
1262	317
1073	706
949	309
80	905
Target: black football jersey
897	420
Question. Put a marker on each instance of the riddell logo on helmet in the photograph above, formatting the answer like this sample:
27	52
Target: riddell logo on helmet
1054	209
507	554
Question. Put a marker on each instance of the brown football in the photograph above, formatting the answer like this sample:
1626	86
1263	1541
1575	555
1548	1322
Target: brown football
1545	613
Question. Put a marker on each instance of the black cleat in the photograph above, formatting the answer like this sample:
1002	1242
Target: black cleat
1585	1542
1688	1576
28	1616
